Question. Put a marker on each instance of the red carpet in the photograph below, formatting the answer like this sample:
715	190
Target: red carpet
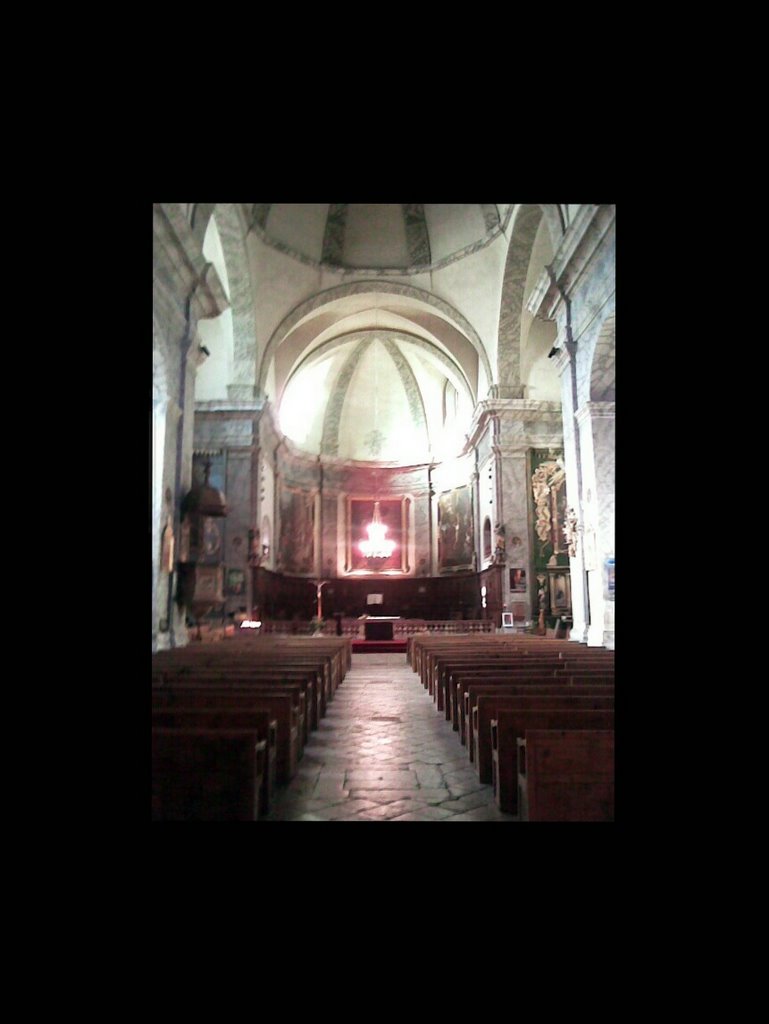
379	647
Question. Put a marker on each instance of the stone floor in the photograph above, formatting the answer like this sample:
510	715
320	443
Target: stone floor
384	753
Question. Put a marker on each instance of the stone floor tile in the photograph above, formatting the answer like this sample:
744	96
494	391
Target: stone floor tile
428	775
487	813
385	796
424	814
358	768
384	812
347	807
466	803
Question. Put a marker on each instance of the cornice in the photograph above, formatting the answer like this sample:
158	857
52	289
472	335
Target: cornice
524	410
594	411
228	406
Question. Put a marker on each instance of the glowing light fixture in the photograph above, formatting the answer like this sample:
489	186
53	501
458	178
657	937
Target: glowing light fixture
377	548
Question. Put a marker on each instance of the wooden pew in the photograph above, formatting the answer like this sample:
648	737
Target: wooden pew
269	677
442	663
206	774
424	648
461	680
566	775
510	725
490	706
447	669
584	686
232	661
280	705
245	684
262	722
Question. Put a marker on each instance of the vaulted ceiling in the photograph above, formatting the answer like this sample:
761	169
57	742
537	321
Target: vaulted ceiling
401	237
377	325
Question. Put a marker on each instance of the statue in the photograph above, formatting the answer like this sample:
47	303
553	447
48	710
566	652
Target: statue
500	553
542	603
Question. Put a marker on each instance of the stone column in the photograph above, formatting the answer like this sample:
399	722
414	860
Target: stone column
596	440
572	462
515	488
159	408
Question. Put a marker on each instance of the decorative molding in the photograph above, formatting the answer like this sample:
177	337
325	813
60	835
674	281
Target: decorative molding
519	410
410	386
228	405
417	238
332	252
490	216
590	411
329	444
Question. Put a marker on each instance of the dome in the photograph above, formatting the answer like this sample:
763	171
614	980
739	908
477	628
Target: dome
377	396
395	237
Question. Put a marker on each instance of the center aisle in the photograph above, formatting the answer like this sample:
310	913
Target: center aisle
383	753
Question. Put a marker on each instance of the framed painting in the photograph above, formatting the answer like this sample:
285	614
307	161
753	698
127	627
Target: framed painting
455	530
560	593
236	582
518	581
296	553
393	517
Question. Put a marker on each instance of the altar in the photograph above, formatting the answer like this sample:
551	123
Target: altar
379	627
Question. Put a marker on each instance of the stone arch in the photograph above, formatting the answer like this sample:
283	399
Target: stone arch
555	222
232	230
511	306
361	288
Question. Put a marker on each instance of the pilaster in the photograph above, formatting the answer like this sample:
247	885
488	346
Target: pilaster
595	421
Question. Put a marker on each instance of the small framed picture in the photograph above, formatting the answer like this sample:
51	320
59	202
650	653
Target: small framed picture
518	581
236	582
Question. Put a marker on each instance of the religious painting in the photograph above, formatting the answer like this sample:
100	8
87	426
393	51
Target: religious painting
455	530
296	553
236	582
560	593
486	539
518	580
391	516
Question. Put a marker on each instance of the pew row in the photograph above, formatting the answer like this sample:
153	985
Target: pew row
566	775
203	774
510	725
280	705
262	722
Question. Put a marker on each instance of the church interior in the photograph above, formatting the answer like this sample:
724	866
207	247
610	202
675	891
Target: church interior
382	437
